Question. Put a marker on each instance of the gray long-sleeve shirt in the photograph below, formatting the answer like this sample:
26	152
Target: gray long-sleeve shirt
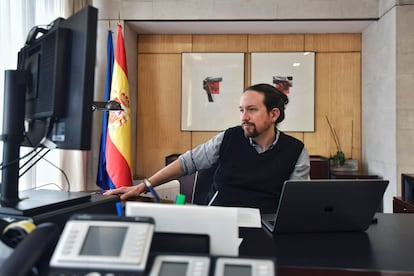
206	155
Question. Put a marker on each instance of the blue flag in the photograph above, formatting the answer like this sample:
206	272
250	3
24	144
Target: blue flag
103	180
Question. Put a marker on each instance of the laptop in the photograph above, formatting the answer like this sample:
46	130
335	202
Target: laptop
327	205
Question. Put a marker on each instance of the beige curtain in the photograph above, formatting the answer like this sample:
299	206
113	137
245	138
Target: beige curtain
70	7
74	162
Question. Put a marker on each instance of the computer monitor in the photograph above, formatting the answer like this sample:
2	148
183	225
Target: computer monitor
54	85
59	97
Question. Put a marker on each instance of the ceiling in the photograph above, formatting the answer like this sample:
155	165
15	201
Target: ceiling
249	27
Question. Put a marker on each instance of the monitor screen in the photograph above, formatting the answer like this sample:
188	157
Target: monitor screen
237	270
173	268
104	241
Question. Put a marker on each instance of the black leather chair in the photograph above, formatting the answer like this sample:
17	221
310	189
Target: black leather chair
203	186
187	186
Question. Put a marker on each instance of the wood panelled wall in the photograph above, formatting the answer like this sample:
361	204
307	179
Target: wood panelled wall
337	90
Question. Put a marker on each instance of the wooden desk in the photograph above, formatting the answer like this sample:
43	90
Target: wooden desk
352	175
386	248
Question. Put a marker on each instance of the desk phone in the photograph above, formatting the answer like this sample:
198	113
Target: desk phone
244	267
172	265
100	243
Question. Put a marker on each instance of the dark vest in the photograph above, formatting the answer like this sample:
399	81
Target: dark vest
245	178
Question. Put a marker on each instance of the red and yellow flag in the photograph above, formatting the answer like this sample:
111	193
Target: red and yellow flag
118	141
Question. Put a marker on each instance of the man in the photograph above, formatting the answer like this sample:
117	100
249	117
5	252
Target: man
253	160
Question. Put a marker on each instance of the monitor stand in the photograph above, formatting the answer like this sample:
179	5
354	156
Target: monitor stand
39	205
29	202
35	202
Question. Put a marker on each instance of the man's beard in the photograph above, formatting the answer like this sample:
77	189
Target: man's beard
250	134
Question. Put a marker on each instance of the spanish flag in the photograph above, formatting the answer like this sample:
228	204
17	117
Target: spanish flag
118	141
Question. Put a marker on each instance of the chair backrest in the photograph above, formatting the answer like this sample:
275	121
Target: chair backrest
202	186
187	186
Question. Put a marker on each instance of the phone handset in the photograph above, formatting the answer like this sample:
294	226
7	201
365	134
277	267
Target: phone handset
32	253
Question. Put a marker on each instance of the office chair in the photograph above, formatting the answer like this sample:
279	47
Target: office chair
202	186
187	186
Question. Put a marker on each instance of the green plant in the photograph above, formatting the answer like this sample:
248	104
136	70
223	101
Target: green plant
339	157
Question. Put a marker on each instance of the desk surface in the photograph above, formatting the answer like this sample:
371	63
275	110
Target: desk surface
387	246
353	175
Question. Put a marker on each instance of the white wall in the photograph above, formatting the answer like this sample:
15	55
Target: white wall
405	89
235	9
387	96
379	102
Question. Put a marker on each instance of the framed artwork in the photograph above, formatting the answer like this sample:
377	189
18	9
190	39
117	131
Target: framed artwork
294	74
211	87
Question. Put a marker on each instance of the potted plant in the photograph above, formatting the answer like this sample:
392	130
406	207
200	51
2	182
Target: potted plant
339	157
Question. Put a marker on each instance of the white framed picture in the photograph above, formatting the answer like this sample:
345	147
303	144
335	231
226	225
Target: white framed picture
211	87
294	74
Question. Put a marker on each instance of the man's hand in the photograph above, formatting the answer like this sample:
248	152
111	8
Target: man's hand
127	192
